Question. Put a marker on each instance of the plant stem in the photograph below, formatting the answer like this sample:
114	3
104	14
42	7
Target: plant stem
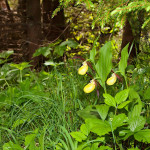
113	135
20	75
6	82
126	81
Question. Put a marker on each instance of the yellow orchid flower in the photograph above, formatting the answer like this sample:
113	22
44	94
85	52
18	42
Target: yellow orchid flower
89	87
83	69
112	79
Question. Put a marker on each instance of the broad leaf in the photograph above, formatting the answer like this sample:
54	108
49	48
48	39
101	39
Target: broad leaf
6	54
84	129
11	146
98	126
104	64
59	50
147	93
136	123
78	136
45	51
143	136
29	139
105	148
122	105
51	63
93	51
109	100
21	66
121	96
88	112
129	133
137	108
118	121
102	110
124	59
71	43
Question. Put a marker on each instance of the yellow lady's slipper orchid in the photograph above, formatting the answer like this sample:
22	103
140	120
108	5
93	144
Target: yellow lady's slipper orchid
111	80
89	87
83	69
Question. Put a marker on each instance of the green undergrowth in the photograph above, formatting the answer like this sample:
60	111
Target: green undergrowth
47	109
40	101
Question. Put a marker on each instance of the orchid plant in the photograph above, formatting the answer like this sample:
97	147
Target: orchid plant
116	118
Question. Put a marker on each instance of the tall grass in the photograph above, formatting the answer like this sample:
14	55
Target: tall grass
43	100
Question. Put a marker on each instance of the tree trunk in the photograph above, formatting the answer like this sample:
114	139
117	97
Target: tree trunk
128	37
33	29
138	30
132	33
22	10
47	8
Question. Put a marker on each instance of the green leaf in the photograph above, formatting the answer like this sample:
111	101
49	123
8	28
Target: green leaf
137	108
133	148
98	126
18	122
136	123
89	4
41	139
88	112
45	51
59	50
6	54
105	148
118	121
78	136
71	43
104	64
109	100
11	146
84	129
51	63
29	139
121	96
124	59
147	93
122	105
129	133
93	51
102	110
143	136
21	66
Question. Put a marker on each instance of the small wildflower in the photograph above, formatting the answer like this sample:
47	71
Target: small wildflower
83	69
112	79
89	87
